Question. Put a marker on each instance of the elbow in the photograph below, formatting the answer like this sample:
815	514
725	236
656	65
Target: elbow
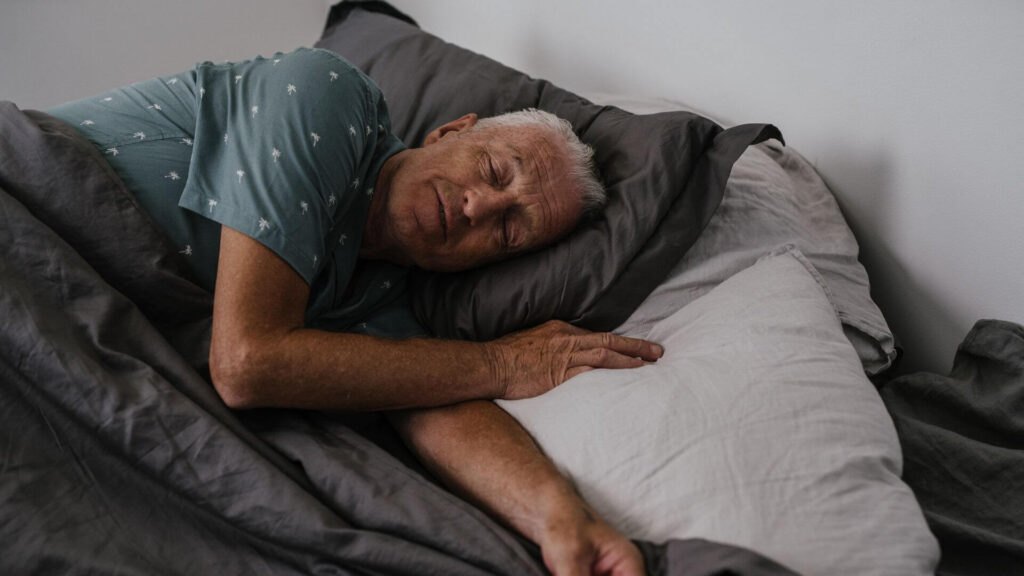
235	371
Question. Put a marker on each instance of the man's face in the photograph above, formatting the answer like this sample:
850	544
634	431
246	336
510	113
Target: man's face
470	197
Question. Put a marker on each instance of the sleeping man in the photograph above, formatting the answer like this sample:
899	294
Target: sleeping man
281	184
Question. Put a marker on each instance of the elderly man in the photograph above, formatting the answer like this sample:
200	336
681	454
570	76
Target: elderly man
280	181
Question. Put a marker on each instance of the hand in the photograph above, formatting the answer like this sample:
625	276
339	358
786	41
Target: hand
584	545
531	362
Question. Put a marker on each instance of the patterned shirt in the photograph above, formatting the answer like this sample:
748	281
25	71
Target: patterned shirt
284	149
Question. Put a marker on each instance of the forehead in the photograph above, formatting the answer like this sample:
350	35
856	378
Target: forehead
550	199
534	151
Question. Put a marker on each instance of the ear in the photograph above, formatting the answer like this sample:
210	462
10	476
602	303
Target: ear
464	123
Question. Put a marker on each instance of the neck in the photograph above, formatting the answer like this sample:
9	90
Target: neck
377	243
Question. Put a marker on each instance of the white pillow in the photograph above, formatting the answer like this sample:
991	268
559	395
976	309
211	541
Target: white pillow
774	198
757	428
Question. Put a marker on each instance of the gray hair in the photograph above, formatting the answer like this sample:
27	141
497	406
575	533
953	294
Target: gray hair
581	156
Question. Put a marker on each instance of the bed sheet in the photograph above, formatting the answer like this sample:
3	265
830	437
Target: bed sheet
962	436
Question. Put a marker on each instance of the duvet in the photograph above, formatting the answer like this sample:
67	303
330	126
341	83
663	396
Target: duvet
118	456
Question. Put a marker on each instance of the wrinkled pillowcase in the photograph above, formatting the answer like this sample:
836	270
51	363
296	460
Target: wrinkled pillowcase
773	198
757	428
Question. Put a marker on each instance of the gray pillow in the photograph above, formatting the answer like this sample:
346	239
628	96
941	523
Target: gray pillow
665	174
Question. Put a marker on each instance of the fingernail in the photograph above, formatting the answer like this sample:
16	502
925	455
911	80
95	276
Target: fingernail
658	350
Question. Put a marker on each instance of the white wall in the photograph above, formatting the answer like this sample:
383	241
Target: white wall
52	51
913	111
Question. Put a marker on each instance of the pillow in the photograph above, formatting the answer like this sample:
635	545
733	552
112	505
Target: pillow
773	197
757	428
665	174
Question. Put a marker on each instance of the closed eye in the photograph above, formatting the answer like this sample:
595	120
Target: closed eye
495	177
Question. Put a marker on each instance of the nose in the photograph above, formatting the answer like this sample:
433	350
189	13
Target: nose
481	205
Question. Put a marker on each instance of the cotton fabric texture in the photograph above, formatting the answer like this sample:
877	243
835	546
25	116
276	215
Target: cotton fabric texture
284	149
757	428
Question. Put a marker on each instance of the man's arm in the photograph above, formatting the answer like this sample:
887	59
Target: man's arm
261	355
481	452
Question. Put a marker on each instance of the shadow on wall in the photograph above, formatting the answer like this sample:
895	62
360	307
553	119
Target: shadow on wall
862	184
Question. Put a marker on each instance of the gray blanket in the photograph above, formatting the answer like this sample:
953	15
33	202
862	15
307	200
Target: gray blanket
963	450
118	456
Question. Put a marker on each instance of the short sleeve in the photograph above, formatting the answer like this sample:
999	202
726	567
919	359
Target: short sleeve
282	151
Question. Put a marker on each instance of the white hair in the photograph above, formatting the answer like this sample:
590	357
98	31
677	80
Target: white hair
581	156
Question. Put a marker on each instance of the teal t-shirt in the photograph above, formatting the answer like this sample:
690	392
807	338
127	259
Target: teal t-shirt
285	150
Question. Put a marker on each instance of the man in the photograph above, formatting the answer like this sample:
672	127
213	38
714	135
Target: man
292	201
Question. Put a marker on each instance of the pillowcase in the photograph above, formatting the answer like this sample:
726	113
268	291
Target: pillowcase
665	174
757	428
774	197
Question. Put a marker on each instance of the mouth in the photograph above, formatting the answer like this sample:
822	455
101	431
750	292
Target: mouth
442	219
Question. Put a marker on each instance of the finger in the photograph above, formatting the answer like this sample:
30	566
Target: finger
569	565
629	563
603	358
576	371
625	345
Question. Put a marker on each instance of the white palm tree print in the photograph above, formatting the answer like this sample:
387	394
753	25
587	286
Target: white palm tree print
304	206
276	154
154	106
107	99
225	137
238	78
315	137
369	191
186	141
255	110
355	184
369	130
240	174
342	239
140	135
332	200
172	175
263	224
172	81
386	284
291	89
333	75
187	251
112	151
352	130
86	123
202	92
276	60
212	204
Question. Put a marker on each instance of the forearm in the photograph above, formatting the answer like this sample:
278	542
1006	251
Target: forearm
483	454
305	368
261	355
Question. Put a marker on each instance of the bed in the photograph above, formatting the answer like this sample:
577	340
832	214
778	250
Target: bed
771	440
